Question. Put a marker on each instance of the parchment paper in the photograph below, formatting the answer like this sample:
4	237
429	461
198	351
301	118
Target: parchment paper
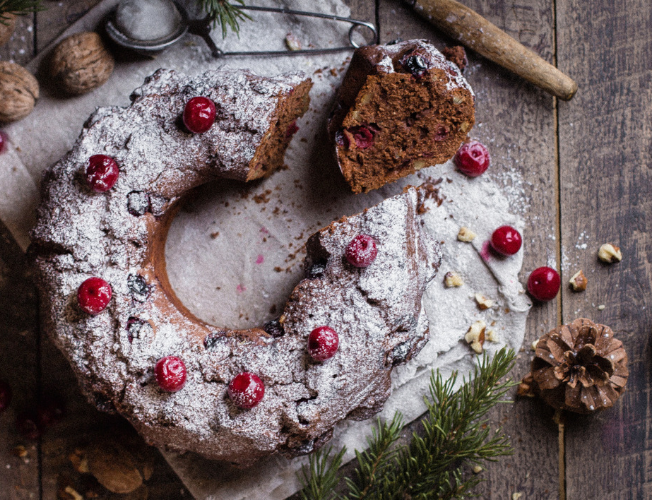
235	251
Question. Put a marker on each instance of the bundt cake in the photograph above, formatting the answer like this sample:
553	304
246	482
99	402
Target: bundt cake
106	302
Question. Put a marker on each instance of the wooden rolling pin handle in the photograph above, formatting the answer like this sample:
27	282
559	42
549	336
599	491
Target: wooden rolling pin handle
471	29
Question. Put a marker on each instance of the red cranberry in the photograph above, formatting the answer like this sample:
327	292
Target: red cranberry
322	343
170	374
472	158
94	295
199	114
362	136
101	173
246	390
291	130
3	141
361	252
506	240
5	395
544	283
441	133
27	425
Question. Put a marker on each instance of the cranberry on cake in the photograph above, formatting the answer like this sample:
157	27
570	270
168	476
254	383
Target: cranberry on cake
401	107
235	395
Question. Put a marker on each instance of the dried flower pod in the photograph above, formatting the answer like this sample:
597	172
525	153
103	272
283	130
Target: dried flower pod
81	63
7	27
579	367
18	92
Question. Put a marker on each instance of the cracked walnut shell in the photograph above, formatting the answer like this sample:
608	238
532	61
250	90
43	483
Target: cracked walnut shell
19	91
81	63
579	367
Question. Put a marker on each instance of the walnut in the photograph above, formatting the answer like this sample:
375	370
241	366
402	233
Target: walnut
452	280
18	92
610	253
475	336
465	234
483	302
81	63
578	282
491	336
7	27
293	43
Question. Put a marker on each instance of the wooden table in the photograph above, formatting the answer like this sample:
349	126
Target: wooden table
588	177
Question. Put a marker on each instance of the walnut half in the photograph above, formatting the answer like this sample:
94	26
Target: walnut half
578	282
610	253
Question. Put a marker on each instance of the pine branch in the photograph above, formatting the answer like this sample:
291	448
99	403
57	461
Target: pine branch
320	479
455	434
226	14
18	8
374	462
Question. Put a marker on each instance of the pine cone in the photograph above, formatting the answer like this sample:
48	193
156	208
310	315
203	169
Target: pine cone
578	367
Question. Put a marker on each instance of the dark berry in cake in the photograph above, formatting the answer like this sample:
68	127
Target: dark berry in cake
138	287
5	395
291	130
506	240
417	64
134	327
94	295
342	140
322	343
543	284
199	114
3	141
246	390
101	173
274	328
317	269
170	373
363	136
472	159
27	425
50	413
138	203
362	251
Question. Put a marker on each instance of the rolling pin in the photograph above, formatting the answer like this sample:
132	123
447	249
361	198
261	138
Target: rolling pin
474	31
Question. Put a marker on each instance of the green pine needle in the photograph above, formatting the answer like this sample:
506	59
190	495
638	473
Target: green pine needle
455	435
226	14
18	8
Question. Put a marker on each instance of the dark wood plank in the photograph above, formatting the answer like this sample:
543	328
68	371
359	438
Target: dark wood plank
20	48
517	123
19	476
57	16
606	174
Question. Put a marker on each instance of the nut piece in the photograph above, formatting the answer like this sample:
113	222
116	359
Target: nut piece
578	282
114	467
475	336
483	302
452	280
6	29
610	253
477	469
292	42
534	344
466	235
491	336
81	63
18	92
601	307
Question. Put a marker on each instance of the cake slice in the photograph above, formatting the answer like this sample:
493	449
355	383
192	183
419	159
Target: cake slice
401	107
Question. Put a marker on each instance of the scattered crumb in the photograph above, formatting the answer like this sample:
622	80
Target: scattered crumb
601	307
215	235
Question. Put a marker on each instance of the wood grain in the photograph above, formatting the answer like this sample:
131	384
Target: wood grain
20	48
516	121
606	196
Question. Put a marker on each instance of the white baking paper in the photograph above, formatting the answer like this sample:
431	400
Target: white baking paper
234	252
